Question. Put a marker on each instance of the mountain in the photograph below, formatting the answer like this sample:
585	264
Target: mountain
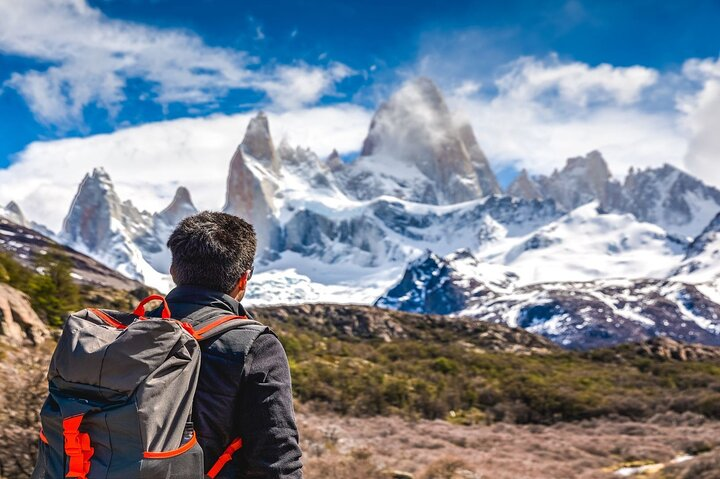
417	150
702	260
524	187
582	180
665	196
576	315
417	222
678	202
119	235
557	281
253	181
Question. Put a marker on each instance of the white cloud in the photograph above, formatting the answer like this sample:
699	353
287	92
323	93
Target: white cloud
545	111
91	57
147	163
295	86
530	135
575	82
702	117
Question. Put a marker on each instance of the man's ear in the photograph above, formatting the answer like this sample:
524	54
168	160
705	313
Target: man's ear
242	282
239	289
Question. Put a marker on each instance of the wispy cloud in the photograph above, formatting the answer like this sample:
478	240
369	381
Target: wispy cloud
91	57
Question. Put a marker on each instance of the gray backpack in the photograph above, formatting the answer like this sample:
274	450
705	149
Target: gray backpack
121	388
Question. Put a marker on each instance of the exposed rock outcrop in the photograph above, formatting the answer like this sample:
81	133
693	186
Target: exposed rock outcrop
250	192
19	323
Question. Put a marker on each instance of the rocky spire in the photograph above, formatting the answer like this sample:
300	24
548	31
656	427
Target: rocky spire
251	196
258	143
92	210
334	162
179	208
13	213
582	180
523	187
485	175
415	142
96	211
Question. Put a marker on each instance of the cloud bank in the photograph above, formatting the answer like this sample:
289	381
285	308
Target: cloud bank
147	163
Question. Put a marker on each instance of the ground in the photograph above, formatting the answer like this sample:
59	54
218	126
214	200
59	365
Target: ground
386	447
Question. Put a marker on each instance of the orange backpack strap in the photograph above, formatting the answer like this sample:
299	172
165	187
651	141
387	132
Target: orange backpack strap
209	324
77	447
224	458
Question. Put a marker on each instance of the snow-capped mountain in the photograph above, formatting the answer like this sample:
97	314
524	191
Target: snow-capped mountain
578	315
681	204
665	196
14	214
118	234
417	221
702	260
418	151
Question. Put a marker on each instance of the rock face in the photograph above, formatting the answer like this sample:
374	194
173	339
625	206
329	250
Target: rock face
668	197
582	180
525	188
252	182
19	324
95	212
334	162
416	150
180	208
666	348
118	234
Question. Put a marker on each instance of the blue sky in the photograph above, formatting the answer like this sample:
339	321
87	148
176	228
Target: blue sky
539	82
382	41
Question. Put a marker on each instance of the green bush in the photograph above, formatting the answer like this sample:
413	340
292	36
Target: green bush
53	293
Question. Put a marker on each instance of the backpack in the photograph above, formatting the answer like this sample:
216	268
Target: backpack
121	388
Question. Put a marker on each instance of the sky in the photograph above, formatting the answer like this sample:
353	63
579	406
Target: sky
151	89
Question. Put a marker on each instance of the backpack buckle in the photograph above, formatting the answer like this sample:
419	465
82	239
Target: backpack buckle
77	448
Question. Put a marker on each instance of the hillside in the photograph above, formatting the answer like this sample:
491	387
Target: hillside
360	361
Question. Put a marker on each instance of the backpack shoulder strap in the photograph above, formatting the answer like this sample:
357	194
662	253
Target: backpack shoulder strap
212	325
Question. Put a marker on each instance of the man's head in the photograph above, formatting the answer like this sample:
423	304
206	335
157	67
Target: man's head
213	250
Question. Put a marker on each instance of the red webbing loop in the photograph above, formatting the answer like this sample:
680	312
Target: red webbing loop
224	458
77	447
140	310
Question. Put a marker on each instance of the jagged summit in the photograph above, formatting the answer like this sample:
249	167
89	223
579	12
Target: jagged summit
523	187
92	210
250	189
13	213
258	142
180	207
334	162
415	149
582	180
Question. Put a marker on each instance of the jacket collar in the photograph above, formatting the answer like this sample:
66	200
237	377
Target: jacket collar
199	296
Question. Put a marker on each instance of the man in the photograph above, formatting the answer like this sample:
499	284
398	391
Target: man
244	390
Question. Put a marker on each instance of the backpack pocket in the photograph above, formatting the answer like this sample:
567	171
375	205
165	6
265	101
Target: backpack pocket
186	462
